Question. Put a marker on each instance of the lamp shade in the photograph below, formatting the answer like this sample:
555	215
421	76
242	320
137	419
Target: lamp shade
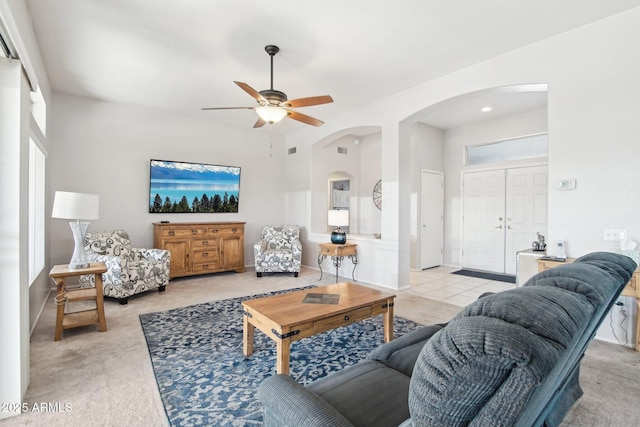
271	114
338	217
67	205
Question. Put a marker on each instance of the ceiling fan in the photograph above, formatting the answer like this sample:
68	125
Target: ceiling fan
274	105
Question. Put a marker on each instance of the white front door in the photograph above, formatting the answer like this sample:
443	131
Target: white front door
431	219
503	210
483	220
525	210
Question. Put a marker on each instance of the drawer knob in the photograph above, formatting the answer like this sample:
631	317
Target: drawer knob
205	242
194	231
172	233
205	253
346	318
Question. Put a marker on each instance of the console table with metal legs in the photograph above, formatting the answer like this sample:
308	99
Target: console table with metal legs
337	254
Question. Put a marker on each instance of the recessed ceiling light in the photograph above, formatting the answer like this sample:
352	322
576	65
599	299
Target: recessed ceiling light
486	109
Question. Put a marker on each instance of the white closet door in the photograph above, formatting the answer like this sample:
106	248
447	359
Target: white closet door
483	220
432	219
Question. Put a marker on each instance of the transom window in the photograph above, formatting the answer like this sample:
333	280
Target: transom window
523	148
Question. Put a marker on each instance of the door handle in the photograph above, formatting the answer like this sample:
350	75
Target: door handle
500	226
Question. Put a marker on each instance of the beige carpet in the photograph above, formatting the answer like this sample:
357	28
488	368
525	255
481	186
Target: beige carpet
106	379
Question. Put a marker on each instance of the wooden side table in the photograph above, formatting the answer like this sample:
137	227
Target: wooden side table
337	254
59	274
630	290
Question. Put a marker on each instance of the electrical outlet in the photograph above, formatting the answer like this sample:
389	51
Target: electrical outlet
614	234
609	235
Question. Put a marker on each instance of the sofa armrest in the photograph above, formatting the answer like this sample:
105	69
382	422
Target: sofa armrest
154	254
290	404
116	273
296	246
401	353
259	247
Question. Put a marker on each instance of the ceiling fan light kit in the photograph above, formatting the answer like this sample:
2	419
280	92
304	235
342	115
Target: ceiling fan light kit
274	105
271	114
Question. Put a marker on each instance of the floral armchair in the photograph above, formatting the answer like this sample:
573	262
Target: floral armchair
130	270
279	250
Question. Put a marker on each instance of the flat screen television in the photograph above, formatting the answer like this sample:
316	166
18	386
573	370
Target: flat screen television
183	187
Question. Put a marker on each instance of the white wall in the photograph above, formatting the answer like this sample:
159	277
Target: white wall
105	148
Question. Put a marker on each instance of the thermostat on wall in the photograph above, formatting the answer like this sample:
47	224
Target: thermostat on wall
565	184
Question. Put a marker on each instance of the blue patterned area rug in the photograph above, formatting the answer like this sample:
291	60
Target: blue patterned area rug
204	378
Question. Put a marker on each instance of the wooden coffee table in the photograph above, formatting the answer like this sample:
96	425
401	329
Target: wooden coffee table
286	318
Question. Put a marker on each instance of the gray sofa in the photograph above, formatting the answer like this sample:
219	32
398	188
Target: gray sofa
510	358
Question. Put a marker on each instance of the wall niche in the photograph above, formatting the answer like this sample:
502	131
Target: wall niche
344	169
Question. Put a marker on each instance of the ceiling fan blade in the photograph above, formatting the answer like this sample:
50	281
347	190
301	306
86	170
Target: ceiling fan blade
307	102
304	118
259	123
228	108
251	91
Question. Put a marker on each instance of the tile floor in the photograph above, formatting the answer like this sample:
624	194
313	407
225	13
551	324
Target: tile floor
439	284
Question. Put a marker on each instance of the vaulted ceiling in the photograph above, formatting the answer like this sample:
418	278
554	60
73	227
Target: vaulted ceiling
181	55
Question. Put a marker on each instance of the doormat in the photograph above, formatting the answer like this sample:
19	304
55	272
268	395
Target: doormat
485	275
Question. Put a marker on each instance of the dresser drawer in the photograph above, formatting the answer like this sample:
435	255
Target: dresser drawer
207	266
206	256
224	230
182	232
205	243
342	319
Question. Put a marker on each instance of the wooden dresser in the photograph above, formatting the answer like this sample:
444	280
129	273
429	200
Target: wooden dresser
201	247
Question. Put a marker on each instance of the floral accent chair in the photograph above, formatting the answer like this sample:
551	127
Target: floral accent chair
279	250
130	270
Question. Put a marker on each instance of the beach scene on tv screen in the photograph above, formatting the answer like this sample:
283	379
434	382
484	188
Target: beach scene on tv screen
180	187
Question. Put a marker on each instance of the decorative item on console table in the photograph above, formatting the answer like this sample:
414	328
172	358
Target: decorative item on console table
201	247
338	218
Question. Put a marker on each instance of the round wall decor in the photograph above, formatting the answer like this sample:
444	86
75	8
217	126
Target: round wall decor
377	194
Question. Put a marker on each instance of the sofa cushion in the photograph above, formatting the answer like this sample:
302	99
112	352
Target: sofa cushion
384	405
401	353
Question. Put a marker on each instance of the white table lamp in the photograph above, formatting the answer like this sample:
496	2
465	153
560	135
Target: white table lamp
76	206
338	218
